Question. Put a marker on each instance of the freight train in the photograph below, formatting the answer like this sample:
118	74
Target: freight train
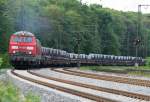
25	51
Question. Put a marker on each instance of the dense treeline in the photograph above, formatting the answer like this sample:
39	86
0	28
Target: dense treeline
61	23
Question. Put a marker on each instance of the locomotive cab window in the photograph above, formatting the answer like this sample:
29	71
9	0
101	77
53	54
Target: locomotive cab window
22	39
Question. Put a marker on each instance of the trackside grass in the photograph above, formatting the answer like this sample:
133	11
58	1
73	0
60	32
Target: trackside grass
9	93
139	71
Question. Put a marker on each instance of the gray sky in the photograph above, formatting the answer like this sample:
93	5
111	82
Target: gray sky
124	5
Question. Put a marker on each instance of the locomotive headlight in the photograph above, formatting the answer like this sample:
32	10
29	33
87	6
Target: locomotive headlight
30	52
14	47
14	51
29	48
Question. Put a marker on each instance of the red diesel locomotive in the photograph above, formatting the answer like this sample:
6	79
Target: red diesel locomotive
24	49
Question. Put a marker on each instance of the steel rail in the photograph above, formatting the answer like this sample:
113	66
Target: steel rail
138	82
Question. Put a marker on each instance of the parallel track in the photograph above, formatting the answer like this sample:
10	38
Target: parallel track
67	90
138	82
118	92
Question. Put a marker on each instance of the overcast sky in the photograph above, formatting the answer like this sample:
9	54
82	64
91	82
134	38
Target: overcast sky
124	5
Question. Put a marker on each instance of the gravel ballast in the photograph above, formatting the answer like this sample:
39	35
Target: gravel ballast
101	83
46	94
106	95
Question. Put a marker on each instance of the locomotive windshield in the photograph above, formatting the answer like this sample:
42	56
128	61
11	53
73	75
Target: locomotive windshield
23	39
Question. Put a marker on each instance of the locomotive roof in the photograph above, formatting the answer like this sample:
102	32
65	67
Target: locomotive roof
26	33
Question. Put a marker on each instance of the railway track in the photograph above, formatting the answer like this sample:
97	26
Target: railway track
67	90
113	91
138	82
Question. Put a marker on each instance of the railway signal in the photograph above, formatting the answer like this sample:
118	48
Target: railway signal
137	42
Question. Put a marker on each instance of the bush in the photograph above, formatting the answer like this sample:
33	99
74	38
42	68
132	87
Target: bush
1	61
9	93
4	63
148	61
32	98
